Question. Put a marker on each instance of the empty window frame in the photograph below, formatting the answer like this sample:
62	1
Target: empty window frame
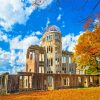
79	79
66	81
31	56
26	82
47	49
51	49
91	79
47	62
30	70
51	62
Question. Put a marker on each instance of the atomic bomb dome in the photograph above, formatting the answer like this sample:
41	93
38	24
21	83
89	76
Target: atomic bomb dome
53	28
50	31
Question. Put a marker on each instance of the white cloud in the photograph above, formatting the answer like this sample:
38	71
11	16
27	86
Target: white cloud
38	33
3	37
48	22
16	11
45	3
41	3
15	58
60	8
11	11
17	43
4	61
63	24
59	17
96	21
69	41
21	46
4	55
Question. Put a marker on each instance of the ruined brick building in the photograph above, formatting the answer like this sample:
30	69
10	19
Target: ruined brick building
47	67
49	57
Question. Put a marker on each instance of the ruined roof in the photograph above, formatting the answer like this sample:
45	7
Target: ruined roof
67	52
35	47
53	28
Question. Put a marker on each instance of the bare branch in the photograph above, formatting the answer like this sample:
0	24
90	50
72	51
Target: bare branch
91	14
84	5
38	2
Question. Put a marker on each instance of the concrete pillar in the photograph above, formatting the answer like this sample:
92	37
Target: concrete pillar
99	79
5	84
22	81
28	83
86	83
50	83
45	84
42	83
1	84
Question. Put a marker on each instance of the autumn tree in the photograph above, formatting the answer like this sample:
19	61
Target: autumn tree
87	50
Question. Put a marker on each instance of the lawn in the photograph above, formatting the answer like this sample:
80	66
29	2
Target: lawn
65	94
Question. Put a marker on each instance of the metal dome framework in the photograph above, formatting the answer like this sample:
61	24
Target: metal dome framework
53	28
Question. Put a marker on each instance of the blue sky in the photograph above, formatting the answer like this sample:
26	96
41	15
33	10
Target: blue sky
23	24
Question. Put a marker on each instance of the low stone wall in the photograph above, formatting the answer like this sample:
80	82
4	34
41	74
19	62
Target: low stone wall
25	81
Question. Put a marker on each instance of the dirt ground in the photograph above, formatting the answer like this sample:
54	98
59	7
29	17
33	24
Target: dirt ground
65	94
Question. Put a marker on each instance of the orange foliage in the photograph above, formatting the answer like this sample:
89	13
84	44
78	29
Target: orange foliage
87	24
88	46
66	94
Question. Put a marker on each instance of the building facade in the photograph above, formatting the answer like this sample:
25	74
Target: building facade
28	81
35	59
49	57
51	41
48	67
67	65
